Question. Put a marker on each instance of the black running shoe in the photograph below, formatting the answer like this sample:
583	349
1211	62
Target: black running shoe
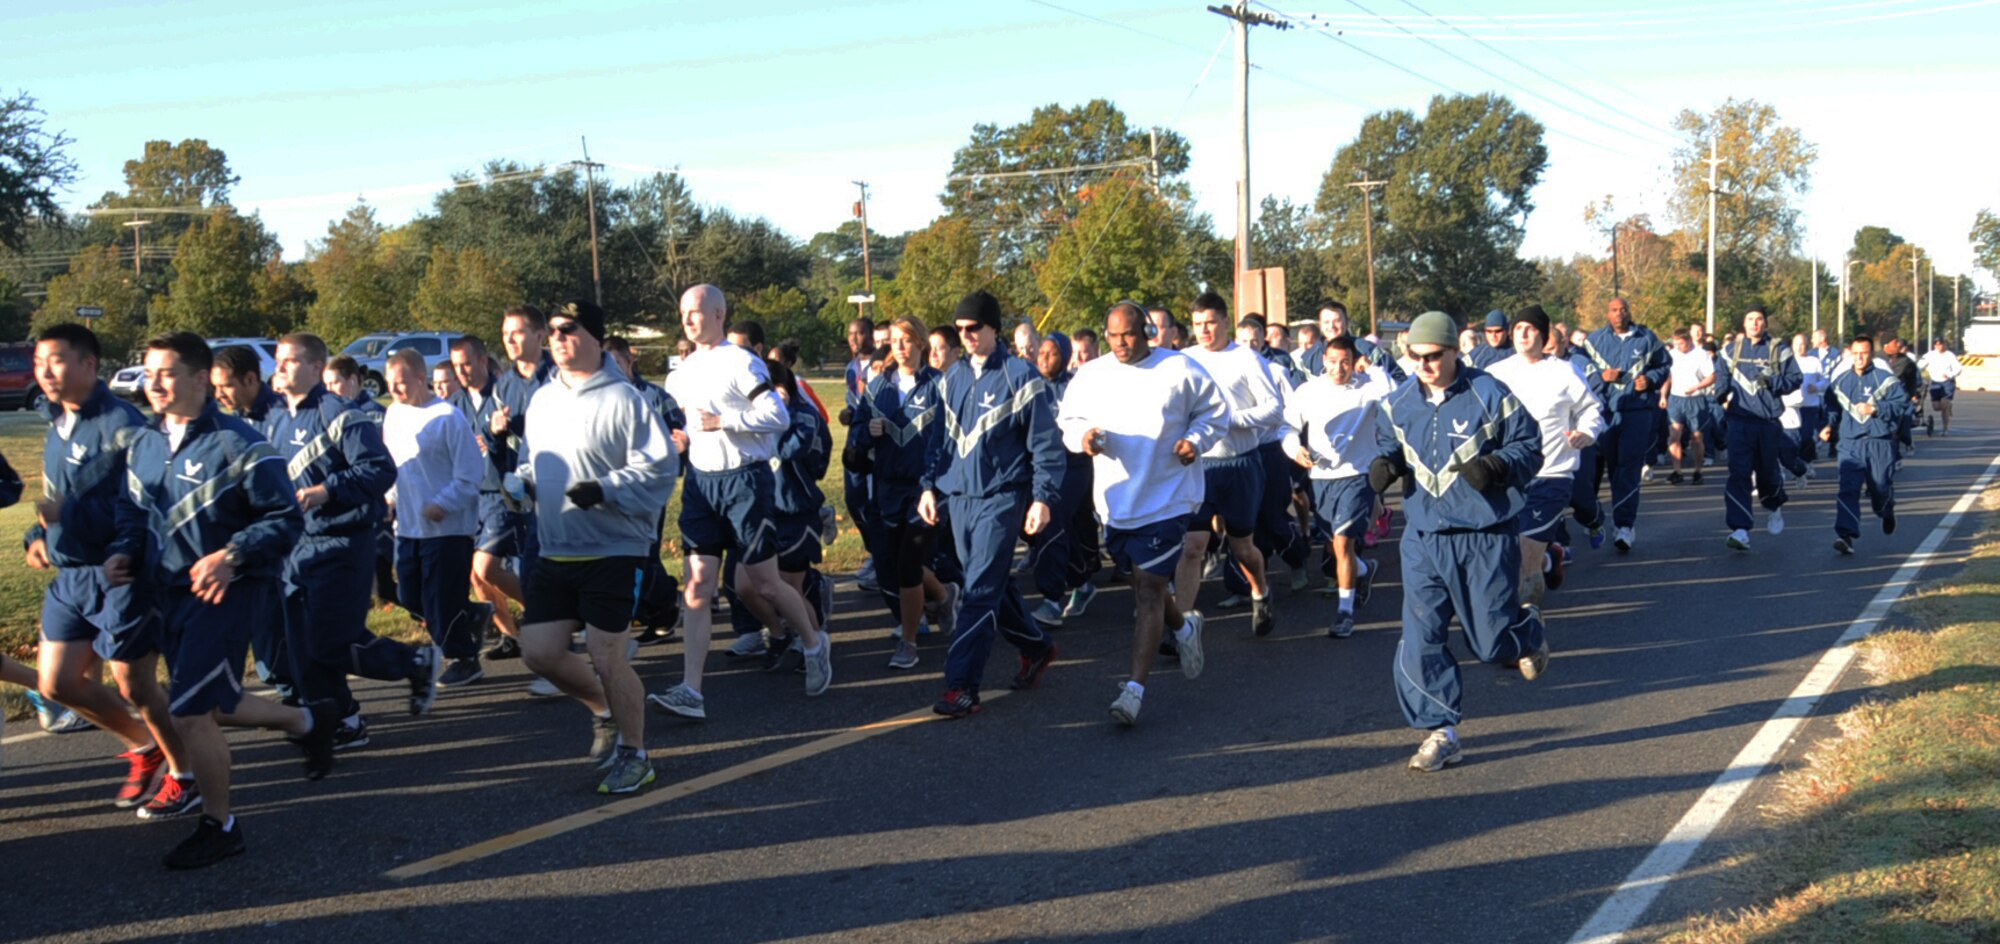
957	703
784	655
209	845
506	648
1889	522
351	736
318	743
1674	477
1032	668
461	672
1261	620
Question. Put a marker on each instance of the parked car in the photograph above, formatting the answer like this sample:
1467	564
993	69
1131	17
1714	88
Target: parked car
372	353
17	376
129	383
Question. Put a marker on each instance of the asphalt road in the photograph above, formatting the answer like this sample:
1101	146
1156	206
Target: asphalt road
1265	801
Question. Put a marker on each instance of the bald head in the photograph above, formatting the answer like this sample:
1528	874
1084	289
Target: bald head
704	314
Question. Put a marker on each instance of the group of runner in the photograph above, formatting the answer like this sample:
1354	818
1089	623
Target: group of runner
246	518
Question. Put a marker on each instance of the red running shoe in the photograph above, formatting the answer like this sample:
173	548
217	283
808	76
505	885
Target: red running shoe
177	797
143	776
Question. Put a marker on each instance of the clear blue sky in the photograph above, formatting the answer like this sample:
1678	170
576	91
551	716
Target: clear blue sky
772	107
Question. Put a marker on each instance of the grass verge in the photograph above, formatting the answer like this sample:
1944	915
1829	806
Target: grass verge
1891	831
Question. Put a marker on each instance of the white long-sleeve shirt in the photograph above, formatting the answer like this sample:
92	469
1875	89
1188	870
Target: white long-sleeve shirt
1940	366
1339	422
1254	404
438	462
1143	409
733	384
1551	392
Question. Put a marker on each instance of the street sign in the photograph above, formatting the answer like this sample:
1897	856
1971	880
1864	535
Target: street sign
89	311
861	299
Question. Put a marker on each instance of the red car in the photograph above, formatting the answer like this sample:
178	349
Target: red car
17	376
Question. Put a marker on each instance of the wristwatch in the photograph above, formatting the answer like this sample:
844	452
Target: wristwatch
232	556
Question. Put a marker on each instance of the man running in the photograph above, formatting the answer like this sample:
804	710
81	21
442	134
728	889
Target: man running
734	420
1499	342
1865	407
1630	364
998	469
1469	452
1941	368
85	620
1570	421
1231	468
1756	372
222	516
506	532
1330	424
499	534
239	384
341	473
599	467
1690	387
1144	416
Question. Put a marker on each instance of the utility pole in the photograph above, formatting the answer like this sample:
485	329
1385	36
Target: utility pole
1244	19
1916	268
1714	161
1846	279
1954	312
1815	281
590	207
135	226
1367	188
1615	293
1930	303
867	270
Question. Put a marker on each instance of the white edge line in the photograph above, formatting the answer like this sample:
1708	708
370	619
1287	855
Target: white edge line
13	739
1629	901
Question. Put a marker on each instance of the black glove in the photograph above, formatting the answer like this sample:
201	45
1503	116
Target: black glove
1484	472
1385	470
585	494
847	416
857	460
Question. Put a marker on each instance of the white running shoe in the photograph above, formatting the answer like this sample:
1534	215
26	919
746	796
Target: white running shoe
1776	523
1439	751
1624	539
1125	710
1739	540
1192	656
543	688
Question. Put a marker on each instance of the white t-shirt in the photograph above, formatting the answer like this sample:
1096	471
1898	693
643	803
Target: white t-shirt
1690	369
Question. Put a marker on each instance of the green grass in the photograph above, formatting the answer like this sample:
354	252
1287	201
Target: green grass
1891	832
21	438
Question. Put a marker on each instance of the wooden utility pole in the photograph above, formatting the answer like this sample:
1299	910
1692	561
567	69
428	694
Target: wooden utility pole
590	207
136	225
1916	310
867	268
1954	312
1241	15
1714	161
1367	188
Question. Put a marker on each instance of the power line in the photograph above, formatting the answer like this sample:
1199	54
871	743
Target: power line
1705	33
1730	11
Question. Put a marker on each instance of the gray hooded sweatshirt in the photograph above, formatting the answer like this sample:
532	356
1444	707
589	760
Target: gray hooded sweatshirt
603	432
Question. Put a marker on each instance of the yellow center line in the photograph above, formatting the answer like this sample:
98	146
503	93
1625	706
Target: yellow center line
665	794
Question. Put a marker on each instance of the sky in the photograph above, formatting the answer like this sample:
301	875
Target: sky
774	107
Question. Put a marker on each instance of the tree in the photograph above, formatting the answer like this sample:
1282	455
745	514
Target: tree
362	280
463	291
1872	243
215	264
1288	235
1449	221
940	265
33	166
98	278
14	314
280	297
1765	172
1985	238
1018	214
191	176
534	222
743	255
785	312
1125	243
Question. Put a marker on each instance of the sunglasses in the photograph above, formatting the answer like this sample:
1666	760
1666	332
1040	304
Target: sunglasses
1433	357
970	327
565	328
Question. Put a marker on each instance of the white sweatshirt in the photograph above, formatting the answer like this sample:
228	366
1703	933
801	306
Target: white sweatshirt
1340	422
1144	409
1551	392
733	384
1253	402
438	462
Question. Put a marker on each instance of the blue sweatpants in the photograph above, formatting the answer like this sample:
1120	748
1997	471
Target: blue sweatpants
1625	446
1864	462
1474	575
326	596
434	576
985	530
1050	553
1583	503
1755	447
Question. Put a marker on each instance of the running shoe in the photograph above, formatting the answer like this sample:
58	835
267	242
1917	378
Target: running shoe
747	645
540	687
1674	477
1623	541
1125	709
1697	477
1233	601
1646	474
681	700
177	797
1049	614
1032	668
1558	556
825	601
1300	579
462	672
1191	655
1889	521
507	648
424	681
1739	540
1775	524
947	618
1261	619
864	577
603	741
1079	600
1438	751
1343	625
1364	583
350	736
1535	663
819	666
1843	545
1331	590
905	656
957	703
784	655
1597	537
318	742
1211	569
142	775
630	771
208	845
55	717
